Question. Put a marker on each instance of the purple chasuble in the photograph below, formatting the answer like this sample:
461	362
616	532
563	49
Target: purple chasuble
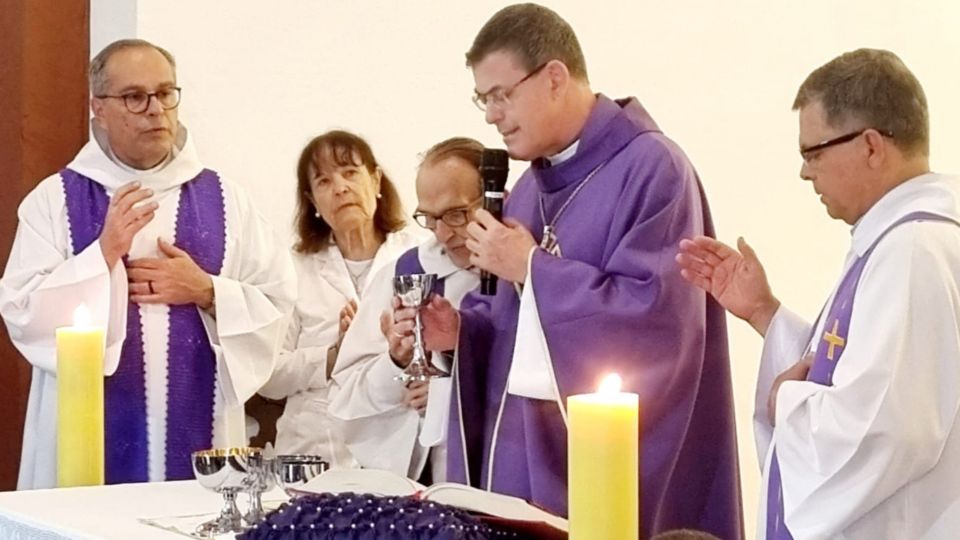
613	301
832	344
409	264
191	362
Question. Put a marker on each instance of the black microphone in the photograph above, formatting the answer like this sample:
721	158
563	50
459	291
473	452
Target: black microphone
494	166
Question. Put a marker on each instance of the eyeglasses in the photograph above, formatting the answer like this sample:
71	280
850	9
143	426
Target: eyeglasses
456	217
138	102
500	97
810	151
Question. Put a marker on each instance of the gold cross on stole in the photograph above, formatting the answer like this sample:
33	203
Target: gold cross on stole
833	339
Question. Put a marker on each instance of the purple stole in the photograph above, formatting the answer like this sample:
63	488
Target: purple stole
409	264
191	362
829	351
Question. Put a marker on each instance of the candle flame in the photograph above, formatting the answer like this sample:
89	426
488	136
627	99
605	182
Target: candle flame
81	316
611	385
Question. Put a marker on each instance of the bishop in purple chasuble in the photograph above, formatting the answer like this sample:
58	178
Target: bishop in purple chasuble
610	300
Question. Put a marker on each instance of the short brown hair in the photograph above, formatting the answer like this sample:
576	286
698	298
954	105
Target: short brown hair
97	72
535	34
875	87
346	149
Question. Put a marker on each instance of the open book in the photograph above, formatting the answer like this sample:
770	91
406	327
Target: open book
518	513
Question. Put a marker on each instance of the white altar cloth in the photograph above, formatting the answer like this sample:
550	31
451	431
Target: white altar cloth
107	512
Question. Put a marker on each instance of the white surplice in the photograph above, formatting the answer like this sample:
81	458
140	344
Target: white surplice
44	282
366	402
531	369
877	455
300	375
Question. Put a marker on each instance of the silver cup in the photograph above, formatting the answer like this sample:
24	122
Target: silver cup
414	291
225	471
260	479
293	471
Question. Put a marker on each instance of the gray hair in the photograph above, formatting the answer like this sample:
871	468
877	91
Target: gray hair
468	150
535	34
874	87
98	66
465	148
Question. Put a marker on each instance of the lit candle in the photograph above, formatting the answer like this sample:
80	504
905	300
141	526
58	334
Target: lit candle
604	460
80	402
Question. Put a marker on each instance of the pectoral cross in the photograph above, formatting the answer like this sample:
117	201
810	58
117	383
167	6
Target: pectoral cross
833	339
549	241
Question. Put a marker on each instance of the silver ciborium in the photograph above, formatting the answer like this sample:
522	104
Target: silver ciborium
225	471
293	471
414	291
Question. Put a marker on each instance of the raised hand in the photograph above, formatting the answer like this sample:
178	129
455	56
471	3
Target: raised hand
735	279
125	218
399	336
499	248
441	323
175	279
347	314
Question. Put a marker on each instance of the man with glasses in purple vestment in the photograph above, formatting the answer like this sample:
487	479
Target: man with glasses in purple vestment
856	414
190	282
588	287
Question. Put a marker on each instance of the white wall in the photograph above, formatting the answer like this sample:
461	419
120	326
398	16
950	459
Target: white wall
718	76
111	20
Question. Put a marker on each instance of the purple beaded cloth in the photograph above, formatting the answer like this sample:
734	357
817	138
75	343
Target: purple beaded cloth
353	516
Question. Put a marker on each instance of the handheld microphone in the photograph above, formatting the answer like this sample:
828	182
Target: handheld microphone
494	166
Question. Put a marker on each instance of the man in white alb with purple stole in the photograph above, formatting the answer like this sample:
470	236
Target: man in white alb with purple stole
384	423
588	287
191	284
857	414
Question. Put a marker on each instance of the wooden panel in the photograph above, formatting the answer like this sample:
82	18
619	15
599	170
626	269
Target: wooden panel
44	52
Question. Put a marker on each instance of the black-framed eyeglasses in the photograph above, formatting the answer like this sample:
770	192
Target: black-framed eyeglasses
500	97
456	217
808	152
138	102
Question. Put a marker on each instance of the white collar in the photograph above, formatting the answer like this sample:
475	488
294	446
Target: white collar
564	154
100	136
96	161
935	193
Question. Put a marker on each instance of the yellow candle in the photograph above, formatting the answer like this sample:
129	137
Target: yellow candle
80	402
604	460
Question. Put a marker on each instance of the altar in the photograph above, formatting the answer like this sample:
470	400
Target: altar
108	512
